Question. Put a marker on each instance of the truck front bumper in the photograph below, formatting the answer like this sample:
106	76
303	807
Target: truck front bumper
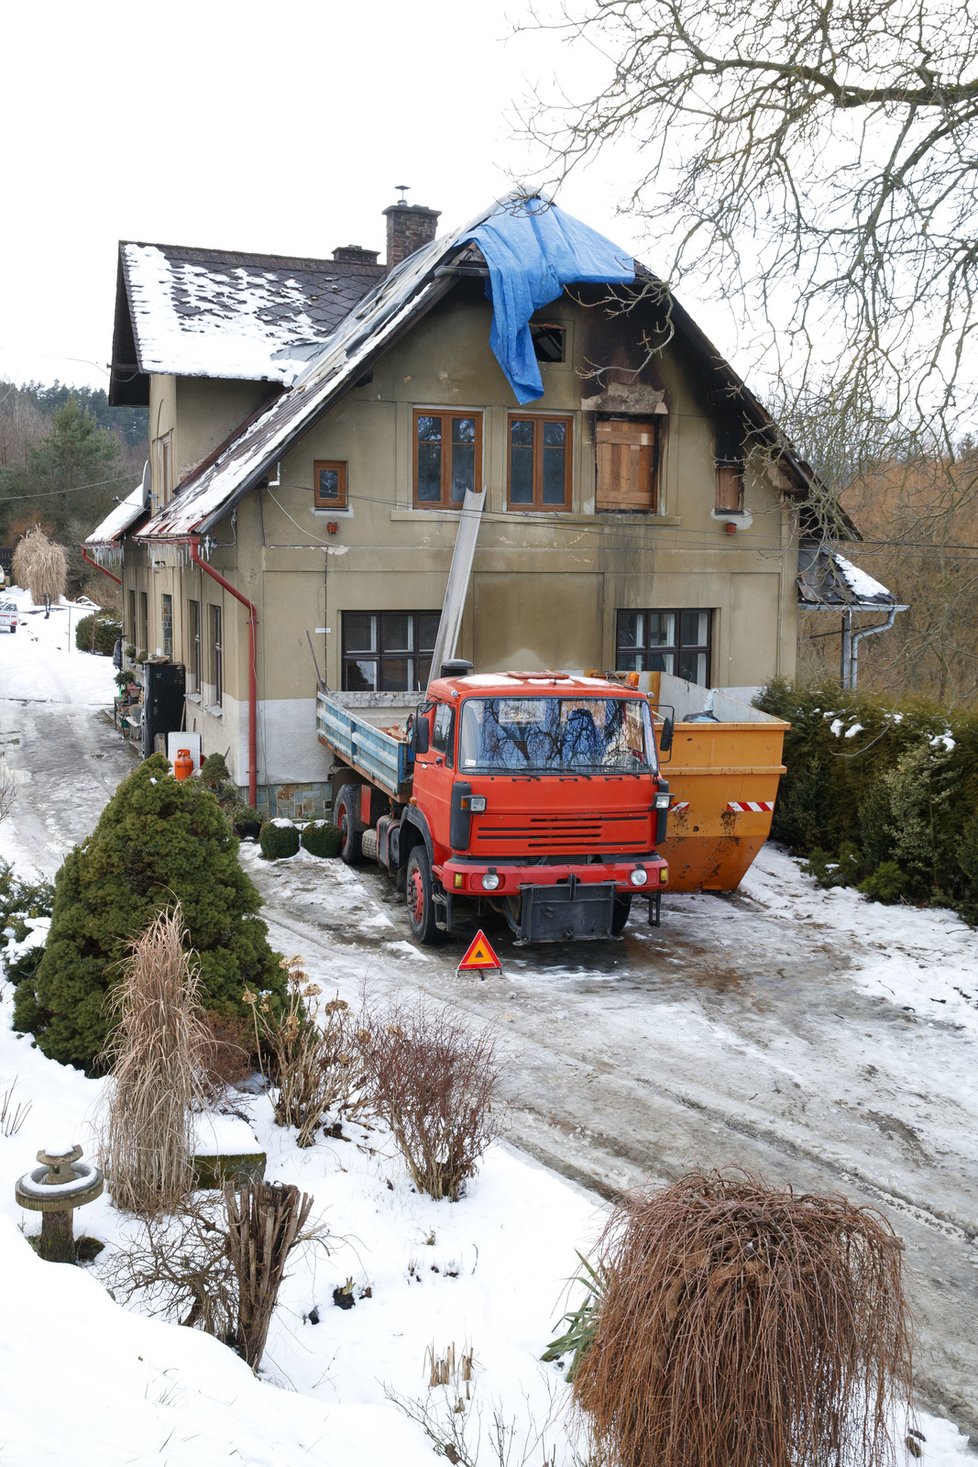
469	878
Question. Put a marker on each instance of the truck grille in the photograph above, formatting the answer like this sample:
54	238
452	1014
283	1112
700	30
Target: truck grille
559	832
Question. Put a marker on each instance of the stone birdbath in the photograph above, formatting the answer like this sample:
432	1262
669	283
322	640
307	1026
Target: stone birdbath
54	1189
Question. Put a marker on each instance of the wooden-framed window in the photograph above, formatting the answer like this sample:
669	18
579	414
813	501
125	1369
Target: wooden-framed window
216	655
143	638
164	467
627	464
728	450
388	651
166	622
447	457
132	627
329	483
675	641
540	461
193	646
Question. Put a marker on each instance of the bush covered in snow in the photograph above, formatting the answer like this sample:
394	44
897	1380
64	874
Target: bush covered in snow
879	796
278	840
158	839
320	838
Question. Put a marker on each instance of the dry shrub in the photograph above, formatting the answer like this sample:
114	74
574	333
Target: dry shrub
264	1224
155	1055
746	1327
311	1053
434	1082
40	566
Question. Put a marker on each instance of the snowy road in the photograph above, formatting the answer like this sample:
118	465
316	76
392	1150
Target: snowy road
827	1043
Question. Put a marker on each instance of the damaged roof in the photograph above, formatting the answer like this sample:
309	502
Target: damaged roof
828	582
393	305
121	518
214	313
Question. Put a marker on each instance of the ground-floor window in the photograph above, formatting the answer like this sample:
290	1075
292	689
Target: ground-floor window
217	655
675	641
388	651
166	622
193	646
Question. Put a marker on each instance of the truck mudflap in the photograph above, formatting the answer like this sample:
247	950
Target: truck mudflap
572	911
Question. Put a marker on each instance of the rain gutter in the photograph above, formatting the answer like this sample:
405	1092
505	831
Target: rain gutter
195	556
112	577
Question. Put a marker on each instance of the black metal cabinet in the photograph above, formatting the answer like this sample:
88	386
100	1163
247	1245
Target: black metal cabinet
164	686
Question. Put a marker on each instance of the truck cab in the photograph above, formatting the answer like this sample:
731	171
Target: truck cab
538	793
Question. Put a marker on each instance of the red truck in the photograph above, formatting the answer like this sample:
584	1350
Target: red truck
536	793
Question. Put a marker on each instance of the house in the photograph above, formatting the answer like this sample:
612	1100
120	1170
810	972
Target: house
327	435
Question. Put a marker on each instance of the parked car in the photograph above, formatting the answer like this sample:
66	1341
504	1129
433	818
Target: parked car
8	616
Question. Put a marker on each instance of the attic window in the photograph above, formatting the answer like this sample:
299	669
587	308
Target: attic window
548	341
329	483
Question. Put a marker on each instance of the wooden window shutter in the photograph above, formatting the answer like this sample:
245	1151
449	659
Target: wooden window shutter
627	464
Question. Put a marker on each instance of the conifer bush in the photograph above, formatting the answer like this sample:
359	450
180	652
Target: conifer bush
320	838
278	840
880	796
159	840
98	634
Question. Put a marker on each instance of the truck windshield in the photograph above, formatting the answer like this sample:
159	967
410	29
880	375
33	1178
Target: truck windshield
547	735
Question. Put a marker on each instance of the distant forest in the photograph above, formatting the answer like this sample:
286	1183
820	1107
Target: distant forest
66	457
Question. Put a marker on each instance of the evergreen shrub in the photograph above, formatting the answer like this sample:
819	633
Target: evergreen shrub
878	795
320	838
278	840
98	634
159	840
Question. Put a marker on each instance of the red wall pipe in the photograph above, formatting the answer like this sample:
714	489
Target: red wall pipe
252	655
86	556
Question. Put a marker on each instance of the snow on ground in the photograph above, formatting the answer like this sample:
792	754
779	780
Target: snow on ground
488	1274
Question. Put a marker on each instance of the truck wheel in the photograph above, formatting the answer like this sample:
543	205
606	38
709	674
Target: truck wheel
420	907
346	818
619	912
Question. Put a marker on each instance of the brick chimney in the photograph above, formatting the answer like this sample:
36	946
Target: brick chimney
355	255
409	226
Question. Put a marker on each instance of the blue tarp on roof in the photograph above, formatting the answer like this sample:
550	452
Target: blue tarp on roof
533	249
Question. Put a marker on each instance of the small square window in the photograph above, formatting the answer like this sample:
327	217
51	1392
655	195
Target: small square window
329	483
548	341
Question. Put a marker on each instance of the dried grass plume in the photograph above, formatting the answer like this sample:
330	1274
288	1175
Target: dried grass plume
41	566
746	1327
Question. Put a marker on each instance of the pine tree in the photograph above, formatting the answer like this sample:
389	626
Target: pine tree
158	839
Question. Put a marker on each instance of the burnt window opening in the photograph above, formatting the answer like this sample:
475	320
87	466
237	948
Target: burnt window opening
548	341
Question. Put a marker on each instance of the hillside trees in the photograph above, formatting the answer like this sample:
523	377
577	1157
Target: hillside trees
158	840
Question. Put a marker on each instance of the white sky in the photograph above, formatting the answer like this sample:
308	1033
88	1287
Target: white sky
281	129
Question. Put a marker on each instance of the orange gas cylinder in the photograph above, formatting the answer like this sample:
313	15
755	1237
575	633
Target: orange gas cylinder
183	765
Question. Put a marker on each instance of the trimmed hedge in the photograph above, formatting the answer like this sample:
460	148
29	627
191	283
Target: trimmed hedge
278	840
106	631
880	796
320	838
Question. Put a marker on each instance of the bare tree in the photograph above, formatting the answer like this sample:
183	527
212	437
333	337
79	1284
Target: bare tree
816	161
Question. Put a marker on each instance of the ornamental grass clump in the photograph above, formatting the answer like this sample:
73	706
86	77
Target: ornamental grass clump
741	1326
156	1052
434	1082
41	566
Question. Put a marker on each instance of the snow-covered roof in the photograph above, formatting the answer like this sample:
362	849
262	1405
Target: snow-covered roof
120	518
213	313
394	303
827	581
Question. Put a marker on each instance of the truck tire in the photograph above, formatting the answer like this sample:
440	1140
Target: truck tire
420	906
346	818
619	912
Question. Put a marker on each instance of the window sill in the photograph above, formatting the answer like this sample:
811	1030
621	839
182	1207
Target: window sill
346	513
642	516
214	709
741	518
192	697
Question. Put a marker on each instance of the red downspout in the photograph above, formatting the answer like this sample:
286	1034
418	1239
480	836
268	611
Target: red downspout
86	556
252	655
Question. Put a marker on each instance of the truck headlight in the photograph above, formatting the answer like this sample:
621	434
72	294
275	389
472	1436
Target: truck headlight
475	804
491	881
662	802
639	876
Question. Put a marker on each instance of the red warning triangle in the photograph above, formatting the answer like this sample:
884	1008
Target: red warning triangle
479	954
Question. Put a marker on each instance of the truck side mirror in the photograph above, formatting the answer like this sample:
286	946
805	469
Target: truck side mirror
665	737
420	735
